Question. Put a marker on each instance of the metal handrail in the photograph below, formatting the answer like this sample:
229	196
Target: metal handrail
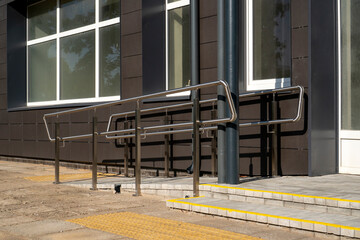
244	95
196	126
277	121
140	98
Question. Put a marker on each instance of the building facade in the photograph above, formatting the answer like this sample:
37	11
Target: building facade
63	54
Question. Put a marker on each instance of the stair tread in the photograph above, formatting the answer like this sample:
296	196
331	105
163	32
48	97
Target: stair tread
275	211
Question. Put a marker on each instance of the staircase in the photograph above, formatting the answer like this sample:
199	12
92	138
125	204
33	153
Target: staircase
330	215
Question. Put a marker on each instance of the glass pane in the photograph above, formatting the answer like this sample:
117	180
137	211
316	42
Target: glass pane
42	72
76	13
170	1
42	19
271	39
350	60
109	9
110	61
179	47
77	70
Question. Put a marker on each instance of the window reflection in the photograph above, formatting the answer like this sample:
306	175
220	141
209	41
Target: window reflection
42	72
179	47
350	60
271	39
76	13
42	19
109	9
77	78
110	61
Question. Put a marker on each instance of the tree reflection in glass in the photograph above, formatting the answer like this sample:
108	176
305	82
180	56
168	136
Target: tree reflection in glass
271	39
41	19
76	13
110	61
77	64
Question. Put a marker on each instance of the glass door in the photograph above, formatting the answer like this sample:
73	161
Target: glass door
349	75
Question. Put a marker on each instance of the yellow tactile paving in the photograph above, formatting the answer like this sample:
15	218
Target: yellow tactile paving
140	226
67	177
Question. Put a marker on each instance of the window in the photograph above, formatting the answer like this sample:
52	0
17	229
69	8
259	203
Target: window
268	44
73	51
177	44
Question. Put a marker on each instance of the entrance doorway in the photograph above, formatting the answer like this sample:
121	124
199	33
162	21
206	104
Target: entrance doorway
349	85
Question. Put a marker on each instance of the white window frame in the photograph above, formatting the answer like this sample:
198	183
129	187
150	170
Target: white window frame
171	6
57	36
251	84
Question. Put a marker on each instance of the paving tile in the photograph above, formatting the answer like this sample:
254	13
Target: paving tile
344	204
272	220
237	198
287	198
87	234
34	229
307	226
284	222
333	230
347	232
320	228
295	224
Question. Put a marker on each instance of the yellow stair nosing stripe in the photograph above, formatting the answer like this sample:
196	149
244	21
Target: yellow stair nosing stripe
265	215
283	193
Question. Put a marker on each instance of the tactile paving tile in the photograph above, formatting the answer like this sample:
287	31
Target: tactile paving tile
140	226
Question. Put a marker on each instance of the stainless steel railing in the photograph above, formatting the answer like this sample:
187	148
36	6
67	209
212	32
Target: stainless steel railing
195	125
137	132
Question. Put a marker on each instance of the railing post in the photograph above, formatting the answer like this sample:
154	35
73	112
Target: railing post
196	143
138	150
126	152
274	138
167	149
213	147
94	154
57	153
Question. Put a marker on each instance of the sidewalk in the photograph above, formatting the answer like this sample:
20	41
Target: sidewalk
42	210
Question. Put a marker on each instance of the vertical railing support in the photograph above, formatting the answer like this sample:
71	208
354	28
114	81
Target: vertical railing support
57	153
138	150
94	153
126	152
167	149
196	143
274	138
213	147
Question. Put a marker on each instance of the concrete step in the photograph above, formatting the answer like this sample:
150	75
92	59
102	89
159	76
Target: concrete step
325	204
327	223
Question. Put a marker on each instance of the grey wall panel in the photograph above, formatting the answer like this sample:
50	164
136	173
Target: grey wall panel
16	54
323	88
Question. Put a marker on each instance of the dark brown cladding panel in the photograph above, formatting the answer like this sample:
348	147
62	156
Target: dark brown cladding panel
299	13
132	45
132	71
128	6
300	43
131	23
208	29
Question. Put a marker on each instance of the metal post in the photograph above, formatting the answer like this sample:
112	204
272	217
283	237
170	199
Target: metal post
231	76
94	154
221	144
167	149
138	150
274	138
213	147
57	153
196	144
126	152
